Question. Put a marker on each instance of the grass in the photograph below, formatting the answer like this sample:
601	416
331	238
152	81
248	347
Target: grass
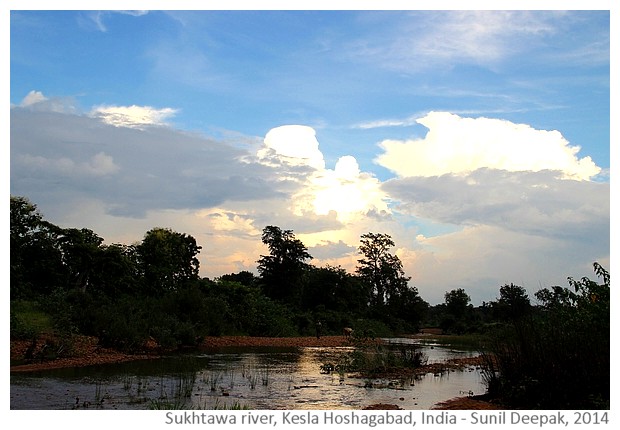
235	406
373	360
212	380
27	320
165	404
465	341
185	384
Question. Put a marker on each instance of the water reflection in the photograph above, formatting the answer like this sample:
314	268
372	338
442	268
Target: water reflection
254	378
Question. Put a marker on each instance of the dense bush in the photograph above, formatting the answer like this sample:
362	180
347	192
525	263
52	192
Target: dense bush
558	357
21	329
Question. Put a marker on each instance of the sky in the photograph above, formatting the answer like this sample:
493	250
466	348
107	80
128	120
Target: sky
479	140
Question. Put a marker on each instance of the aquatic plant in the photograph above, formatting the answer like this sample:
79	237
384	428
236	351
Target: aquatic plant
127	382
252	379
376	359
235	406
231	375
99	394
165	404
212	380
264	374
185	384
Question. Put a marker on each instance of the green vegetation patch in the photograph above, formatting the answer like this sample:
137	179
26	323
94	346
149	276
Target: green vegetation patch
27	320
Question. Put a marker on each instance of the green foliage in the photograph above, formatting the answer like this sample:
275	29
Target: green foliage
21	329
458	312
366	328
80	252
378	360
28	320
246	310
36	261
558	357
244	278
457	302
513	303
167	260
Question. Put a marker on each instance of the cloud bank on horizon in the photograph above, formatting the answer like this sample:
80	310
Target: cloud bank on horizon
472	200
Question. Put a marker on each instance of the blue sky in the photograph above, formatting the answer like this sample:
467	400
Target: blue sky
480	140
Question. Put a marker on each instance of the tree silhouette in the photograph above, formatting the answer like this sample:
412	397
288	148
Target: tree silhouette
282	271
382	271
167	259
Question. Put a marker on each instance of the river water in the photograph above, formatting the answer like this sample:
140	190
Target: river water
249	378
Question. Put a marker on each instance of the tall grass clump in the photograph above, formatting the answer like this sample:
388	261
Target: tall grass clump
374	360
557	357
185	384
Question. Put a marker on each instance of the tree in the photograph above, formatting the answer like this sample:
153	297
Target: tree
457	302
167	260
391	298
538	362
116	271
244	278
513	303
457	311
25	220
334	289
382	271
81	253
283	269
36	265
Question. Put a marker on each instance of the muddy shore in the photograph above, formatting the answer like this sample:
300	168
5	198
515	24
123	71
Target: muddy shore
85	350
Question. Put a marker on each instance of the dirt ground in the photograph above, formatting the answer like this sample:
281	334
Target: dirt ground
85	351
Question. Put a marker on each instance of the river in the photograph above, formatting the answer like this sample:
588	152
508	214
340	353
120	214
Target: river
240	378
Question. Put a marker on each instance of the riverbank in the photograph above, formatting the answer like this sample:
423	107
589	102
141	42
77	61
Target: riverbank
85	350
249	341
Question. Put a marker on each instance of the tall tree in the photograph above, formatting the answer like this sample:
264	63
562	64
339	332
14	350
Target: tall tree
382	271
457	302
282	271
513	303
81	252
334	289
116	271
36	264
167	259
458	311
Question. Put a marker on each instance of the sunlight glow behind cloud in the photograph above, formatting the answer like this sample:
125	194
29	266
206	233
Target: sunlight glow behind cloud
344	190
132	116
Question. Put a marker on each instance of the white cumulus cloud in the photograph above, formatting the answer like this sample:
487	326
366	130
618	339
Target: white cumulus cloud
457	145
347	191
294	144
344	190
33	97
